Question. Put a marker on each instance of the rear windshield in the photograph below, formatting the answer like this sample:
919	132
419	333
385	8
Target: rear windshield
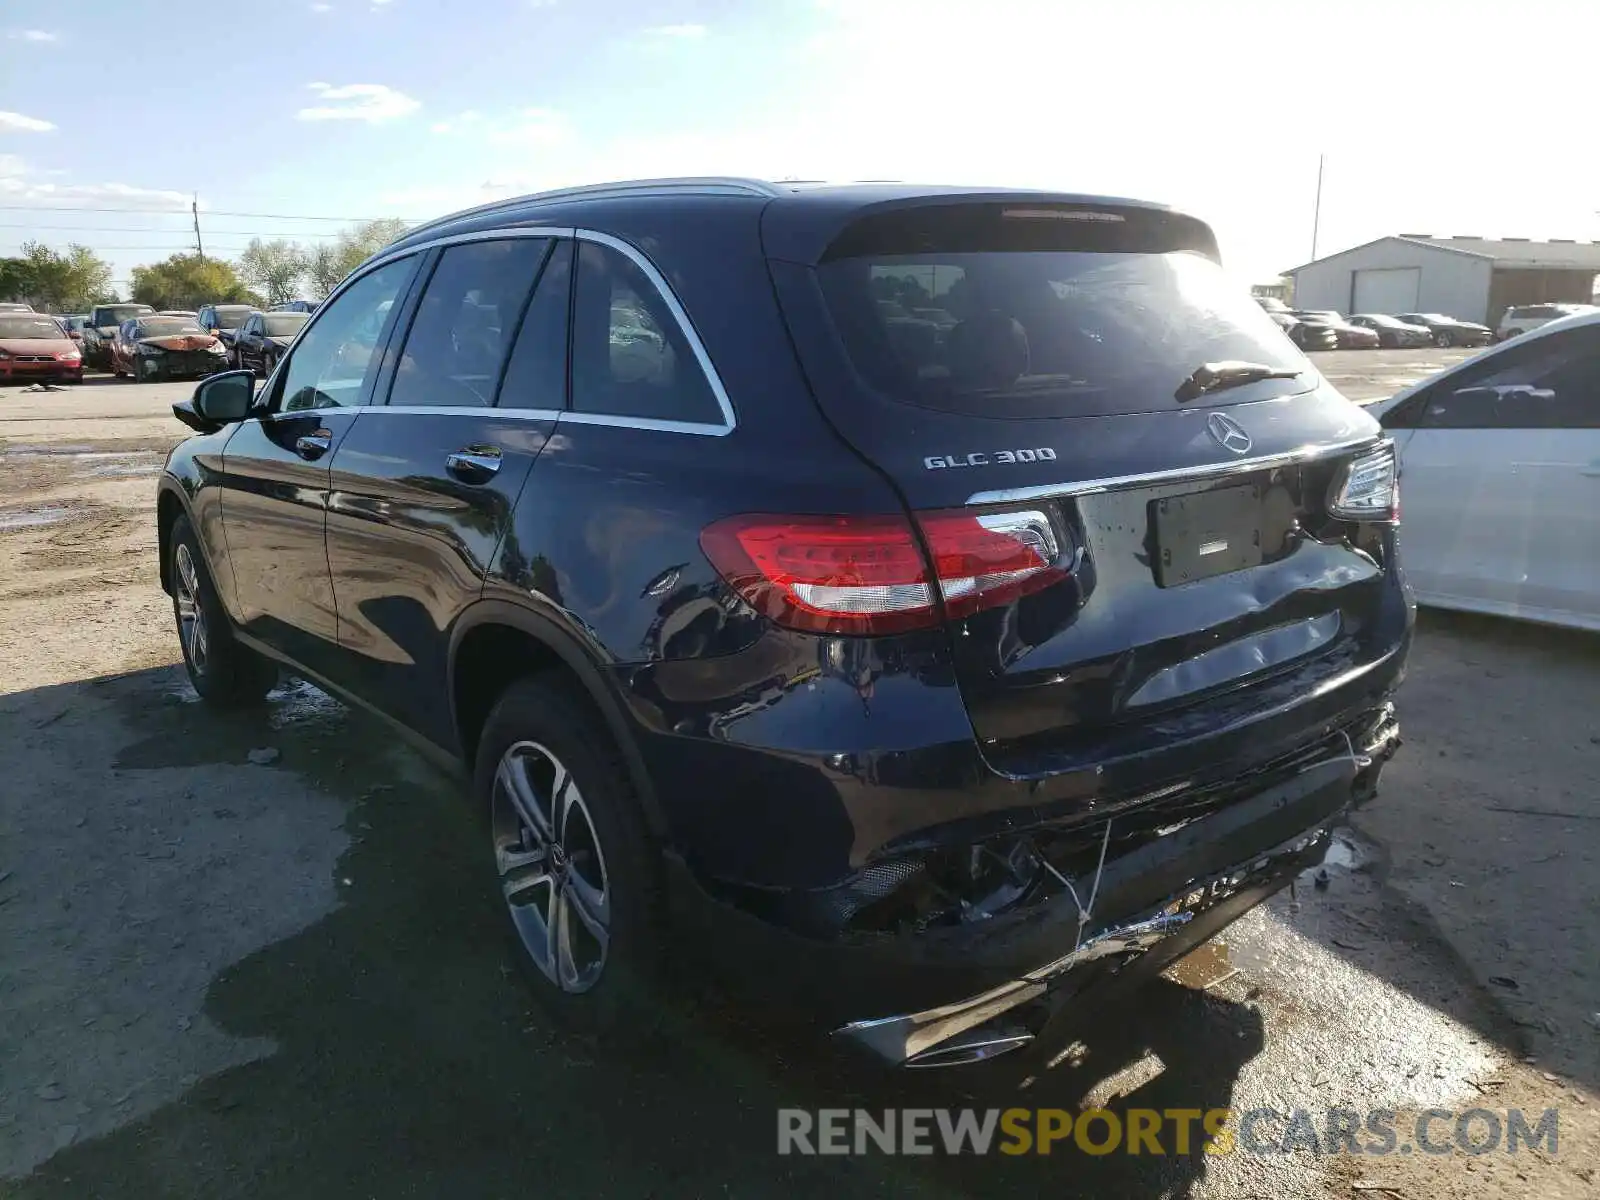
284	324
1026	333
16	326
116	314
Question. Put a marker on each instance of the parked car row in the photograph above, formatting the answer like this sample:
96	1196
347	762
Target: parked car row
1325	329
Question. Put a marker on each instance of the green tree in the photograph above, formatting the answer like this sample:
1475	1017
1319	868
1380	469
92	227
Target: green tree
55	281
275	267
16	280
188	281
329	263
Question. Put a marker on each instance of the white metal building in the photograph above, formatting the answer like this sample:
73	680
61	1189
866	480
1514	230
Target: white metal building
1470	278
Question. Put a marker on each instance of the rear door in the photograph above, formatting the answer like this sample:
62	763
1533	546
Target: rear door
1500	466
424	486
275	468
1026	376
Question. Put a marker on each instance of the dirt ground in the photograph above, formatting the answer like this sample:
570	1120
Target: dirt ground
224	979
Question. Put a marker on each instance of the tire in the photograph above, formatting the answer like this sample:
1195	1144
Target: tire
225	673
1444	340
542	745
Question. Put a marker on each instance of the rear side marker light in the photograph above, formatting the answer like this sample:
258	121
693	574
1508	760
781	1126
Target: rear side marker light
870	575
1367	488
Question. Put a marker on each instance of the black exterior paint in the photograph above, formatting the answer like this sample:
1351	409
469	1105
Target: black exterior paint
768	757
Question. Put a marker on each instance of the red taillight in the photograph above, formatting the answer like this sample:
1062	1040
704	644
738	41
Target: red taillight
826	574
982	560
868	575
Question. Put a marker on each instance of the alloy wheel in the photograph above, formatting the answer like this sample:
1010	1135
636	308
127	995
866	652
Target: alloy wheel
552	870
191	616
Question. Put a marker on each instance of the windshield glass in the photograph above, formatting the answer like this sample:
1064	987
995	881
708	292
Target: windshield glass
1053	332
116	314
284	324
166	327
28	327
233	317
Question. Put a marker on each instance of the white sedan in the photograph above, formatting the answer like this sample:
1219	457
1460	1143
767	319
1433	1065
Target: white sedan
1500	478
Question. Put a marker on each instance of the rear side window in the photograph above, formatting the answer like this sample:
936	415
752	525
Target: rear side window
630	357
465	321
1048	332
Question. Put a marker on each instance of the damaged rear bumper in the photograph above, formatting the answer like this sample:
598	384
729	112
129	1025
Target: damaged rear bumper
956	993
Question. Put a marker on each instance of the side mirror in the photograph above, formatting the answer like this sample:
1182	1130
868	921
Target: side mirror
220	400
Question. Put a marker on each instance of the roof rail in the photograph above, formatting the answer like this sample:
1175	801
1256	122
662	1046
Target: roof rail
709	185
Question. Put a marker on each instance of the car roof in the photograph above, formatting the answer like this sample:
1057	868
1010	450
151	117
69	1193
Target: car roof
802	218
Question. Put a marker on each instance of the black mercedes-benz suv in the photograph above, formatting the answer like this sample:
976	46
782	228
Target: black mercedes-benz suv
956	601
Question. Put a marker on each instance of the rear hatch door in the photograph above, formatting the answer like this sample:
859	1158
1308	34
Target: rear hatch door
1032	368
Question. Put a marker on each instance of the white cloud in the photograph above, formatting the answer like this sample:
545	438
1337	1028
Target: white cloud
457	124
370	102
530	127
521	127
685	32
32	35
321	8
19	123
23	184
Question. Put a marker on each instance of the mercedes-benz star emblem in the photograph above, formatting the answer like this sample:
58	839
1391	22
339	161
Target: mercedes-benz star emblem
1229	433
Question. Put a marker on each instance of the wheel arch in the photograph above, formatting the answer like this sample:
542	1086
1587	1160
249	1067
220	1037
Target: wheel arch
171	503
495	642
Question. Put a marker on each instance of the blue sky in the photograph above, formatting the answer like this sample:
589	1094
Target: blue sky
1441	117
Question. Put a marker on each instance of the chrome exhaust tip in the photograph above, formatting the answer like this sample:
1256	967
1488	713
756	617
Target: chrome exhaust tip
975	1045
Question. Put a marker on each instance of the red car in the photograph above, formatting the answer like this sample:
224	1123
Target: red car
153	347
33	347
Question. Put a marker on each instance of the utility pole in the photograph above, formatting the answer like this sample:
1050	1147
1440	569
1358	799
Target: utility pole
1316	211
200	247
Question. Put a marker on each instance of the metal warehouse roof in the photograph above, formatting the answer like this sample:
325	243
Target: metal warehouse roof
1511	253
1524	252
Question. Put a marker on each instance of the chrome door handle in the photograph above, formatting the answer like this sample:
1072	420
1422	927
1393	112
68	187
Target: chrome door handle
473	464
313	445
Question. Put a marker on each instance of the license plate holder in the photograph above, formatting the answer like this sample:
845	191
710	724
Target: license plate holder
1204	534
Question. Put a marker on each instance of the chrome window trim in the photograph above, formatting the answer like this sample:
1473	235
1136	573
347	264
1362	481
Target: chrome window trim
1090	487
633	254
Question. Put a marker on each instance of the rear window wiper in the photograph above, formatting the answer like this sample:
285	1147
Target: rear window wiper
1218	376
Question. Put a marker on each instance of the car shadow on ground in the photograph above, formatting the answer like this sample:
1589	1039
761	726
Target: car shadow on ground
412	1060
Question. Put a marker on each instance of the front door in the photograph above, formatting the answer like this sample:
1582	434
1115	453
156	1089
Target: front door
1500	480
423	488
275	469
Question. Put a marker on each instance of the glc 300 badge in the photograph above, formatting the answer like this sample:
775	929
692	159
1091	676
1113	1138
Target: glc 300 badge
982	458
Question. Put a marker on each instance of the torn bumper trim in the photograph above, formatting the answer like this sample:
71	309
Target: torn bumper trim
1155	894
904	1039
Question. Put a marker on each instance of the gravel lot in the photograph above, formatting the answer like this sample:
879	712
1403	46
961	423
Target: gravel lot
223	979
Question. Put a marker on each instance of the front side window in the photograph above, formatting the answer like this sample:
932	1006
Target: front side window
630	357
1547	383
465	321
335	361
